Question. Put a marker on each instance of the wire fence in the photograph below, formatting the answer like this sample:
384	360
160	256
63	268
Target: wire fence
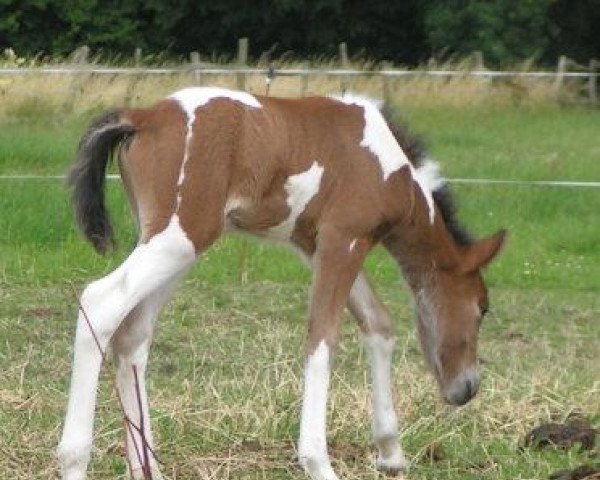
473	181
201	74
384	80
80	65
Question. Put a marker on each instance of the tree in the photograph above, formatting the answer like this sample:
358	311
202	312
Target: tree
407	31
577	24
506	31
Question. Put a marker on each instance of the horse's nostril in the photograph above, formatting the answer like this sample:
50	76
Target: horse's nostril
469	388
462	391
472	386
475	381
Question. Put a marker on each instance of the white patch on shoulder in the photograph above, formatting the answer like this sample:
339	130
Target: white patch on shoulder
189	99
352	245
429	180
377	136
300	189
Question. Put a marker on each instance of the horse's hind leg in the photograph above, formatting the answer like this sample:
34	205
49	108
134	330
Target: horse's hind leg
376	325
149	268
131	346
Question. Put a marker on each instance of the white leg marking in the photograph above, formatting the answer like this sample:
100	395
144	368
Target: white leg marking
380	348
300	189
312	445
106	302
385	423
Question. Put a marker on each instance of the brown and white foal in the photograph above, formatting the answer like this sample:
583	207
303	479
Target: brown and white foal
328	175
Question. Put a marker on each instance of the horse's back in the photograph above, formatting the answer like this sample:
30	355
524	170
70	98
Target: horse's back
269	166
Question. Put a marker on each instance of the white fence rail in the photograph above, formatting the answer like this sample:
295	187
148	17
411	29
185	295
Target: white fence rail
290	72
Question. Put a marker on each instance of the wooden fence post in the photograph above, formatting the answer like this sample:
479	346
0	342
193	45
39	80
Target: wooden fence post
478	63
80	55
135	78
303	80
79	58
385	83
593	81
242	61
343	49
303	84
137	57
195	63
560	75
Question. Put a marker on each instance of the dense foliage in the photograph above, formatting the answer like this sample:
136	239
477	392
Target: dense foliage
407	31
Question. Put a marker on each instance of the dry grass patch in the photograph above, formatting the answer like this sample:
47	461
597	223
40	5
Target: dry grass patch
33	94
225	383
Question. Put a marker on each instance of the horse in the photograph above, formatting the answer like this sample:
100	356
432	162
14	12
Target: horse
331	176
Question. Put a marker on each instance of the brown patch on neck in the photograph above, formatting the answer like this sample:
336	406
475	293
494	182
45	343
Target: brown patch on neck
401	197
419	246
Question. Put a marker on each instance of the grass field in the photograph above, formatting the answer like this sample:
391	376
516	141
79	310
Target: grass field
225	376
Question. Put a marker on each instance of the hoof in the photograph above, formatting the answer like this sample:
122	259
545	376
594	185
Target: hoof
393	466
318	468
73	458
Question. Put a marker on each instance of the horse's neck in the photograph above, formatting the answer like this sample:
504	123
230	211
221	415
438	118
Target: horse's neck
419	246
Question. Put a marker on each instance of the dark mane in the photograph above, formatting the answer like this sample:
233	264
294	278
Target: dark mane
443	198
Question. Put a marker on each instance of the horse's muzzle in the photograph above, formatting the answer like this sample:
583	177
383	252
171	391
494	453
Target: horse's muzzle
463	388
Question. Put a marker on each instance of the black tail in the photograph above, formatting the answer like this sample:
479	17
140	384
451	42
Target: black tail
87	176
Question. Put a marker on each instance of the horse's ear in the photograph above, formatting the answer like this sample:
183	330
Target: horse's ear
481	253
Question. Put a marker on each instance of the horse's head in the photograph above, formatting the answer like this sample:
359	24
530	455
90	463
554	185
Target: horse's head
451	303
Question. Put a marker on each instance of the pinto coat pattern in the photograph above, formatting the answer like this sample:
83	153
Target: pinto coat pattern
328	175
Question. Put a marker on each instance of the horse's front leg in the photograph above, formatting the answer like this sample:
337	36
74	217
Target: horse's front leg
376	325
336	262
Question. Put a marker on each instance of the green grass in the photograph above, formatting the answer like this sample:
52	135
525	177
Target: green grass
553	230
541	143
226	370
